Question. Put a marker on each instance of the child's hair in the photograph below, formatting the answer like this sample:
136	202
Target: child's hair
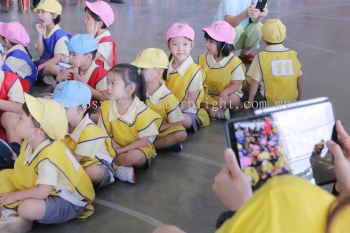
222	47
93	53
57	19
26	111
95	17
130	74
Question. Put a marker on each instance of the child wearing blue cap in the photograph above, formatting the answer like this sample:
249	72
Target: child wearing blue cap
82	51
11	100
90	144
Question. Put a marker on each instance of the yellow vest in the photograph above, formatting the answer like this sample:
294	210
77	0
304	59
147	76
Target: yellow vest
179	85
280	76
218	79
89	133
25	175
124	133
164	105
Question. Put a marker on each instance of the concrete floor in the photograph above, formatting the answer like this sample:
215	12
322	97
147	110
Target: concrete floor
177	189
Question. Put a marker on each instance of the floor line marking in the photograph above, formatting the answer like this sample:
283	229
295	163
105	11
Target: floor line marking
199	159
141	216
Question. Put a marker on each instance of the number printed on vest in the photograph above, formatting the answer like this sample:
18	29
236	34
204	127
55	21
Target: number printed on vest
282	68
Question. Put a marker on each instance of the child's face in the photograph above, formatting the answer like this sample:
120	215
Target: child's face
45	18
212	47
152	74
76	60
74	114
117	88
90	23
24	127
180	47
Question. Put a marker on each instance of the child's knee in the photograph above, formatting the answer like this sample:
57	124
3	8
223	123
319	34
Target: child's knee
28	210
95	173
181	136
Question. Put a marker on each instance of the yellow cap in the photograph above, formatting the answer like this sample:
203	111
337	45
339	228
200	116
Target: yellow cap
285	204
274	31
151	58
51	6
51	116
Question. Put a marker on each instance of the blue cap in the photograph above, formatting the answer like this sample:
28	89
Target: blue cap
82	44
1	49
72	94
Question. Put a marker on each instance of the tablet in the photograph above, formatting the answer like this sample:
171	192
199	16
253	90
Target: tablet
261	5
284	139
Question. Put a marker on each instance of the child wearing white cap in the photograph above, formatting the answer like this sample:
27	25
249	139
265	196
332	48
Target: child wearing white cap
225	71
277	69
98	17
47	184
89	144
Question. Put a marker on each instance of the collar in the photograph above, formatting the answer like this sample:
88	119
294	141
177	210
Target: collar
212	63
135	108
29	154
17	46
55	28
103	34
75	135
276	48
159	94
90	70
182	68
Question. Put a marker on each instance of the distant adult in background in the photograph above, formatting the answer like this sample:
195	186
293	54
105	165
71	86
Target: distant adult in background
243	15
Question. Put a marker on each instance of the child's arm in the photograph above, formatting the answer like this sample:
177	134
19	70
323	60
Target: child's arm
10	106
168	125
300	86
235	85
190	100
236	20
253	89
40	192
132	146
40	43
52	61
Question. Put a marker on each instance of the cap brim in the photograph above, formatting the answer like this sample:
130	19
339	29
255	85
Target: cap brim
210	33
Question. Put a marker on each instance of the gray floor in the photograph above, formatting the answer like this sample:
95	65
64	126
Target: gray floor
177	189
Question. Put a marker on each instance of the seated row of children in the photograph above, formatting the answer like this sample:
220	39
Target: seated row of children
139	113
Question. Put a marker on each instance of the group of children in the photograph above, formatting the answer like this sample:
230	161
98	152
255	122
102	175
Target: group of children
104	119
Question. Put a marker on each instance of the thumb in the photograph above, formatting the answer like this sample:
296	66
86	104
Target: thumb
231	162
337	152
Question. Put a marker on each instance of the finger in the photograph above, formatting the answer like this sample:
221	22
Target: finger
337	152
342	135
231	162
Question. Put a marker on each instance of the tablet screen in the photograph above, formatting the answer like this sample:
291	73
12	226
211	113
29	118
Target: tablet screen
282	142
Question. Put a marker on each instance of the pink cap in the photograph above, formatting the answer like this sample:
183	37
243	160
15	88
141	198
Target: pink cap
15	32
102	9
180	29
221	31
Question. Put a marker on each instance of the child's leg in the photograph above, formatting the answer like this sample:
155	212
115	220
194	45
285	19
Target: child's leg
95	172
234	102
52	70
132	158
187	121
8	120
170	140
32	209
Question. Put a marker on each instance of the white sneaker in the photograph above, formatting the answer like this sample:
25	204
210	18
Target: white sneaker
126	174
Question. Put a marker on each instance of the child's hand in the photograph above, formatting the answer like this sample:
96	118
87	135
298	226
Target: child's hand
40	29
64	75
253	13
79	77
224	97
341	155
46	95
264	13
230	184
7	198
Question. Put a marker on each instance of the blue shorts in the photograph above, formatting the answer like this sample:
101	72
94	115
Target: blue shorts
59	210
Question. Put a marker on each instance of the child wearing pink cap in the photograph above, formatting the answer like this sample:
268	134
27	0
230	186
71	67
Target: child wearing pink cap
185	78
225	71
17	59
98	17
11	100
